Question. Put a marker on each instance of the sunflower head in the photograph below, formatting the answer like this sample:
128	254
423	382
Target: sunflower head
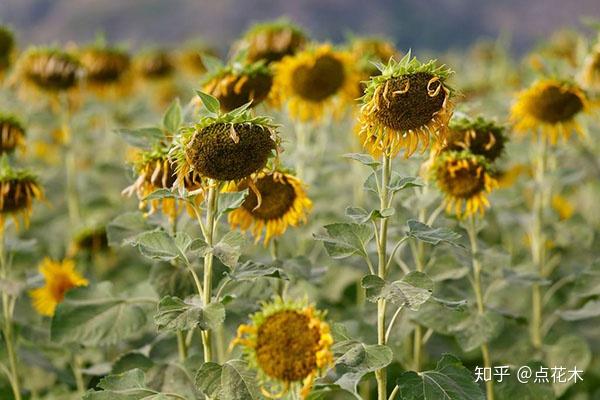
404	105
193	57
92	239
271	41
49	69
590	75
237	84
12	133
315	79
550	107
18	189
154	171
479	136
464	179
289	344
59	277
7	45
372	49
104	65
225	146
276	201
155	65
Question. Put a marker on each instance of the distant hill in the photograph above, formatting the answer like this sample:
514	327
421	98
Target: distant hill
436	25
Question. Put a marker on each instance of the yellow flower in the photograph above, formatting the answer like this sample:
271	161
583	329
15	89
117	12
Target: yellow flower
106	69
49	70
271	41
465	179
59	278
315	80
590	75
281	202
12	134
479	136
562	206
403	106
289	343
18	190
550	107
155	65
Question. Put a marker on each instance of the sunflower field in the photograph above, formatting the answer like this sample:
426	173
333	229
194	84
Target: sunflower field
300	220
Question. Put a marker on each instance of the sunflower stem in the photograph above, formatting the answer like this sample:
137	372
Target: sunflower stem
76	368
485	352
384	200
211	213
538	241
8	326
70	165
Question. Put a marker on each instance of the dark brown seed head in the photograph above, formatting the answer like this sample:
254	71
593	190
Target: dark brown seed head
461	181
319	81
156	65
239	90
277	198
228	152
273	45
554	104
11	135
7	44
52	71
488	143
16	195
104	66
410	101
286	346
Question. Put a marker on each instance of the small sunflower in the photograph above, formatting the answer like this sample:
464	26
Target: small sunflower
49	69
12	134
225	146
105	66
271	41
155	65
465	179
59	278
7	46
289	344
281	202
550	107
590	75
314	80
91	238
479	136
237	84
18	190
563	207
155	171
403	106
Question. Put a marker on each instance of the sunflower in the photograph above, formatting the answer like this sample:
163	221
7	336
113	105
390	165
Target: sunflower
49	69
313	80
465	179
237	84
563	207
590	75
281	202
155	65
59	278
368	50
192	57
12	134
479	136
105	67
156	171
271	41
7	46
403	106
224	146
18	190
289	344
550	107
90	238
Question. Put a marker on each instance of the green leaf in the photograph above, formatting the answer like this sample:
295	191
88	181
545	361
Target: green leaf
427	234
364	159
251	270
412	290
357	359
477	329
448	381
94	316
229	201
175	314
173	117
143	138
512	389
130	361
569	351
121	229
229	248
591	309
210	102
330	392
436	316
361	216
208	379
164	193
346	239
160	245
238	382
398	183
168	279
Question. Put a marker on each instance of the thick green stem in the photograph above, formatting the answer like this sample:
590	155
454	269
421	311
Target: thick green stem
384	200
7	326
538	241
76	367
70	165
485	352
211	209
181	346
